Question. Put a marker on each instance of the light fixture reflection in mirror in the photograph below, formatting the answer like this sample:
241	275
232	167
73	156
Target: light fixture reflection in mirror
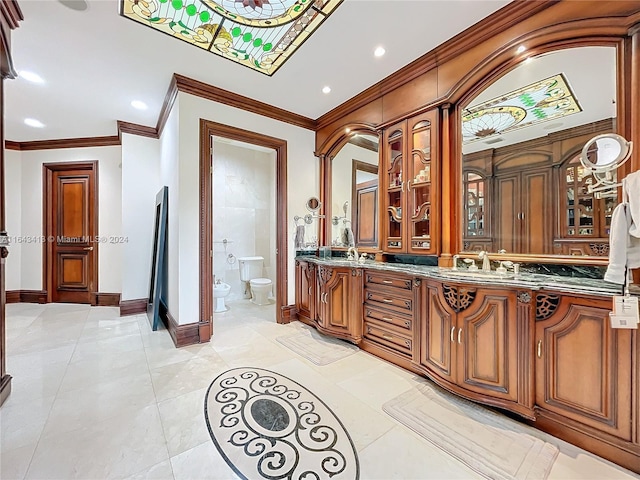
354	193
524	187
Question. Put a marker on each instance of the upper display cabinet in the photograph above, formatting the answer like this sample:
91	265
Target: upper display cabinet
410	186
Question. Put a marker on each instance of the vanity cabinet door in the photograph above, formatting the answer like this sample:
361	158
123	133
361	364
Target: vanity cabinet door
584	367
393	182
306	290
487	343
437	334
340	298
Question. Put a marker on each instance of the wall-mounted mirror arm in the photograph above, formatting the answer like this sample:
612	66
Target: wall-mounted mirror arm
602	156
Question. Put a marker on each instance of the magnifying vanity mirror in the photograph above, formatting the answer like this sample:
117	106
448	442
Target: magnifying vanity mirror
313	204
525	189
602	156
354	193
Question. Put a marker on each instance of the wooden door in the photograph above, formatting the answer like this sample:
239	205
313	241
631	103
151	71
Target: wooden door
306	290
583	366
536	212
365	215
507	213
437	334
71	228
487	344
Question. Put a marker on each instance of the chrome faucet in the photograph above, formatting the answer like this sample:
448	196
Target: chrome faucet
351	252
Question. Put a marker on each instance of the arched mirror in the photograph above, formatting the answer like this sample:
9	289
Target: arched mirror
524	189
354	193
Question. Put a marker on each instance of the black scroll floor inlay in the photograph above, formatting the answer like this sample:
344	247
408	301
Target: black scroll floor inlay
265	425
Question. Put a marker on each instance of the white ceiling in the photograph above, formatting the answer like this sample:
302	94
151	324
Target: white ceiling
96	62
591	75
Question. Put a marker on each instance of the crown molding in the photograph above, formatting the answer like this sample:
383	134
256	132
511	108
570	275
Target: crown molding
471	37
63	143
10	13
215	94
136	129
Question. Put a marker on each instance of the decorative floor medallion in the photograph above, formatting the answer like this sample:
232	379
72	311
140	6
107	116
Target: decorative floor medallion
268	426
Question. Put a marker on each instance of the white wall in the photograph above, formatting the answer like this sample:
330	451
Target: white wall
109	212
243	211
303	182
140	184
13	212
169	176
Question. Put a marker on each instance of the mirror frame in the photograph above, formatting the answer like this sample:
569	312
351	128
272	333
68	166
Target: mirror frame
475	85
326	152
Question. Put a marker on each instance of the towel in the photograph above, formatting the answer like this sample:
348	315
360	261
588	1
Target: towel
299	239
347	237
624	239
631	189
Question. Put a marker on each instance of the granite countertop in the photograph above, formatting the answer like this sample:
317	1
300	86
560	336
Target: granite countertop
530	281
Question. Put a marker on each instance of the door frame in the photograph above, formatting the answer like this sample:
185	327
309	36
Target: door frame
209	129
47	248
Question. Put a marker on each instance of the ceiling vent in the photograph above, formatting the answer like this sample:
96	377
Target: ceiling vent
494	140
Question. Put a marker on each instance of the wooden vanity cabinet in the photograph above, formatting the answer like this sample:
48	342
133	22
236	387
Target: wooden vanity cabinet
306	291
388	315
585	371
338	311
477	343
409	180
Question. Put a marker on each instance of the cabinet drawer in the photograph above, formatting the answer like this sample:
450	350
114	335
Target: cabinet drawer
385	280
399	320
388	338
388	300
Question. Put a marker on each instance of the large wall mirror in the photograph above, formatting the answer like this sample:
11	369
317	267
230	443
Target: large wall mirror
353	214
524	188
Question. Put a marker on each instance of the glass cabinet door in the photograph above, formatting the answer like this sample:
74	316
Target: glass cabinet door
421	183
394	182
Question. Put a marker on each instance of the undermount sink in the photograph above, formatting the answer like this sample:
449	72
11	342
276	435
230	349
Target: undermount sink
477	274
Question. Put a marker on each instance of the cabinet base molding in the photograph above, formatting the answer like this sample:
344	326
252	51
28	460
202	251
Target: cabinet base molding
520	410
26	296
625	454
288	313
389	356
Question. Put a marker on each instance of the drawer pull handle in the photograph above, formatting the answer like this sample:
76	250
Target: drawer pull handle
453	329
539	348
388	282
386	300
387	319
387	337
459	333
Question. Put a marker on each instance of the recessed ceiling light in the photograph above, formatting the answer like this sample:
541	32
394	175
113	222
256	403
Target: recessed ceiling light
379	52
326	90
30	76
521	49
139	105
32	122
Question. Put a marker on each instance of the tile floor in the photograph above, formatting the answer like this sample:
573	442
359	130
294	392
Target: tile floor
96	396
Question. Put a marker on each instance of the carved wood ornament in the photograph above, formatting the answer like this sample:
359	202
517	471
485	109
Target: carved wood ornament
546	305
459	299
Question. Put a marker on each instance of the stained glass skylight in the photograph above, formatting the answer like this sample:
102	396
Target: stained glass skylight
260	34
544	100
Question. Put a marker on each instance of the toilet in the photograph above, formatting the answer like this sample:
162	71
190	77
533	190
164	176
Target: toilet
251	274
220	291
